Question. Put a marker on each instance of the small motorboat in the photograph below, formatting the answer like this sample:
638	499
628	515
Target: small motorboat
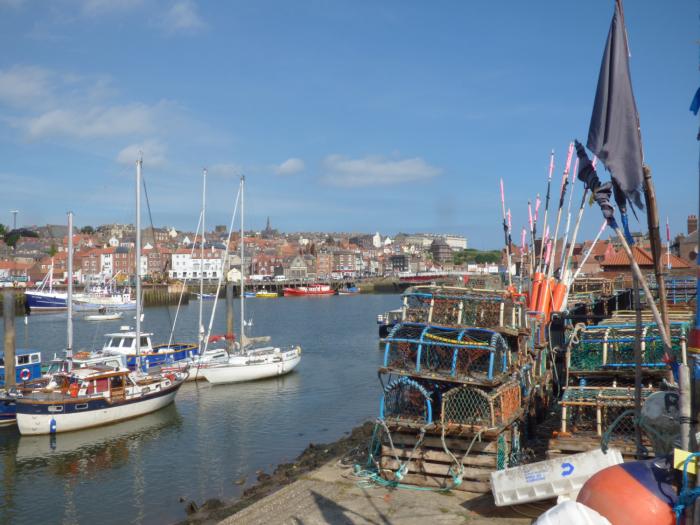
104	316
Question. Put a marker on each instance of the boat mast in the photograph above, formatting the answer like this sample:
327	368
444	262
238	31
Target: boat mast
69	296
242	342
201	262
139	162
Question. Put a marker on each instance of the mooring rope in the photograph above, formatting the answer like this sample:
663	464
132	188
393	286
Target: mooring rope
459	473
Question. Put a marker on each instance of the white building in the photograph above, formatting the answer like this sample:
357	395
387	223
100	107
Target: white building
186	265
456	242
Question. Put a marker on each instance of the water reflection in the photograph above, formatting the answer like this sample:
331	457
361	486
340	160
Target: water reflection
137	471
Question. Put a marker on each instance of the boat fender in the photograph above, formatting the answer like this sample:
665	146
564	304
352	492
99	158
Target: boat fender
52	426
73	390
25	374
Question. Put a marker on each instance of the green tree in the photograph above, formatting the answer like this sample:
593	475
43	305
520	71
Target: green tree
3	229
87	230
53	250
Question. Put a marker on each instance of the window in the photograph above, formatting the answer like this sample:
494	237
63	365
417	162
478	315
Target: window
144	341
55	408
127	342
22	359
35	358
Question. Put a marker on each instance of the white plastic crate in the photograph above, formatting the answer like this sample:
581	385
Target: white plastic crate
551	478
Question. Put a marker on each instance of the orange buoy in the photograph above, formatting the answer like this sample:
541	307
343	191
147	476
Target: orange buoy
637	492
536	284
558	296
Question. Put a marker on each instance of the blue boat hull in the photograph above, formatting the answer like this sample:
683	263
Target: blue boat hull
160	357
45	301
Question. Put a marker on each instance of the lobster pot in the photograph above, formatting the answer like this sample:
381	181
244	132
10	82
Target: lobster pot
406	401
592	409
460	307
441	462
612	347
465	354
478	410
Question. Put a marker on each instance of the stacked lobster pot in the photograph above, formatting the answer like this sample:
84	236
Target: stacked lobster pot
598	400
458	383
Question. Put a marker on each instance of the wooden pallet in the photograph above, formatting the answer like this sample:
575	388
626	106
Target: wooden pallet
430	465
567	445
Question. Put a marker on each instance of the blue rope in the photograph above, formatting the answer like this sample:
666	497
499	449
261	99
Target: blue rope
687	496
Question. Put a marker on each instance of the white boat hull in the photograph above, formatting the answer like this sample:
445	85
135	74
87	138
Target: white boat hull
232	373
34	424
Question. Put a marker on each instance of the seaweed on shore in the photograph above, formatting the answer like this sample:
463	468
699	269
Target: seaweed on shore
314	456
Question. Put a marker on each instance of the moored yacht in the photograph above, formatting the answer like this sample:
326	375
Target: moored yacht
250	362
124	343
92	396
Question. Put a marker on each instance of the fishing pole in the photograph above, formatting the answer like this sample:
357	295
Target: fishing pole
585	257
574	235
546	206
506	233
568	219
522	254
562	194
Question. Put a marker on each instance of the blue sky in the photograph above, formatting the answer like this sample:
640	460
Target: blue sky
344	115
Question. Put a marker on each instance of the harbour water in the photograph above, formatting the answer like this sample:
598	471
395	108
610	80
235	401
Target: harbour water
212	437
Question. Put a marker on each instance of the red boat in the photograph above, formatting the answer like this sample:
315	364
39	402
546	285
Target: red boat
313	289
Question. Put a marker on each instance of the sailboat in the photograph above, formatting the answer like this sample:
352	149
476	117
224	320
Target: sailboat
252	362
92	395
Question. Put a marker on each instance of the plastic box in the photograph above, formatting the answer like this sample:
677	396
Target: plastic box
551	478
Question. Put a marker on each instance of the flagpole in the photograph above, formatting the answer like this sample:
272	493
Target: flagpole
655	242
546	206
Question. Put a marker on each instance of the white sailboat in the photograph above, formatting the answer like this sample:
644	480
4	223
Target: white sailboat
252	362
95	394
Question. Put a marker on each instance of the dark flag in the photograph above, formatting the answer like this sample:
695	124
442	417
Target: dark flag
614	134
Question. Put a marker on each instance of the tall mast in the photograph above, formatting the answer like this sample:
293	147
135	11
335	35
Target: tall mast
69	296
201	262
242	271
139	162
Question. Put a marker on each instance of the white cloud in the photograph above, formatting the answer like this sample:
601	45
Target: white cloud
290	167
153	153
375	171
23	86
96	122
226	170
183	17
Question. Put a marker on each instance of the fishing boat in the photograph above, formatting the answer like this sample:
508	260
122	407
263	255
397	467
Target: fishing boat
98	394
104	295
250	294
205	296
349	290
312	289
252	362
44	297
27	372
266	294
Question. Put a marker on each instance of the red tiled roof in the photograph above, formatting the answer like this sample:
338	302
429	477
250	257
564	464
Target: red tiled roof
643	259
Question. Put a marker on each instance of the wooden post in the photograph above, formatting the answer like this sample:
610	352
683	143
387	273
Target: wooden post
655	242
229	317
8	312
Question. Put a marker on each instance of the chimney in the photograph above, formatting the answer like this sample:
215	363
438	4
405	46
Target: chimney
692	223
